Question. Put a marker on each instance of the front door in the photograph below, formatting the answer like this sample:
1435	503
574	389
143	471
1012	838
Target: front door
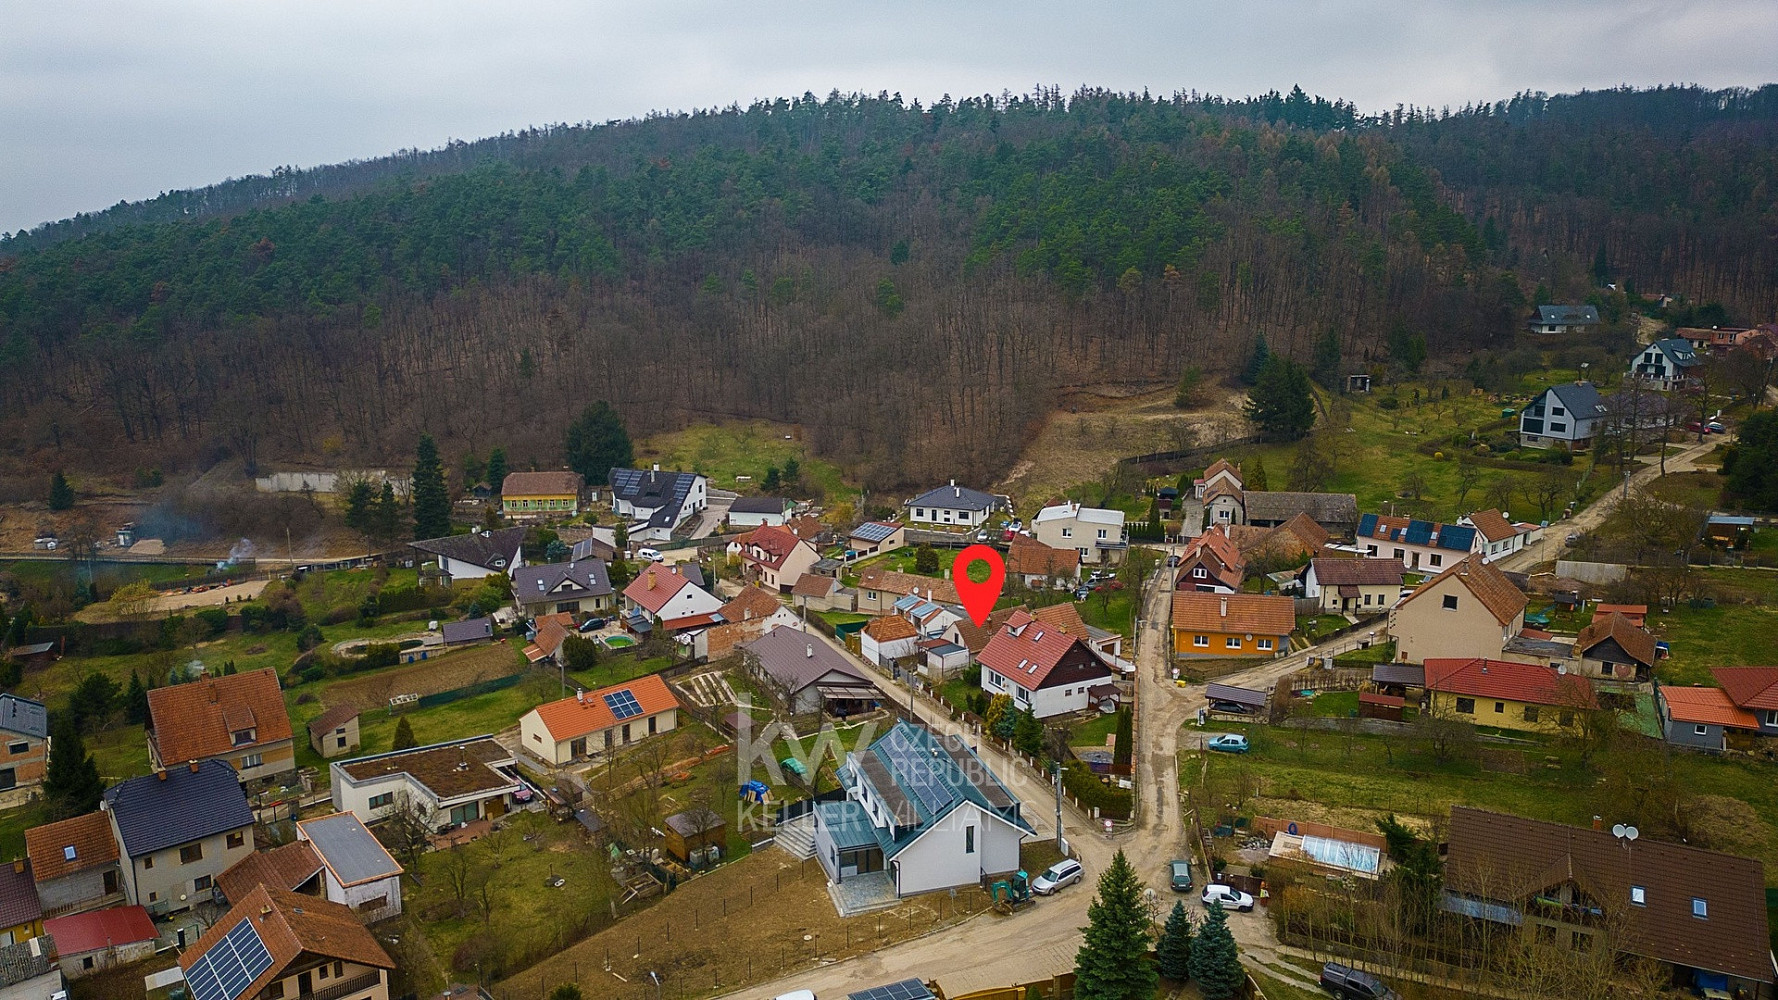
305	983
577	748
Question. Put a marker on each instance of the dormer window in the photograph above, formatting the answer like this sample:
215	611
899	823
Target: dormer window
242	737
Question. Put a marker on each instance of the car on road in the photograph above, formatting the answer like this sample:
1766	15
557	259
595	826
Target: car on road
1179	875
1230	897
652	555
1352	984
1063	873
1228	743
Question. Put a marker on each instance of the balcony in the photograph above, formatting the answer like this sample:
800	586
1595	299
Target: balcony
343	988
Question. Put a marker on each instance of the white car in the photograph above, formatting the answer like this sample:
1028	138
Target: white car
1230	897
652	555
1065	872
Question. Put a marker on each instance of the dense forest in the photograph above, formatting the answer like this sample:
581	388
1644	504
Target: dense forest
915	285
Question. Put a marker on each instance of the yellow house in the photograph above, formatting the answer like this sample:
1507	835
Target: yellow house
1206	624
19	907
1507	694
536	495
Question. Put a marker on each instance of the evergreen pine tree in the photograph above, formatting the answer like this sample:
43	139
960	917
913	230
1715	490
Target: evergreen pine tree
71	783
1153	531
1027	734
596	443
1174	950
135	701
385	521
1124	746
404	736
1256	476
497	469
359	500
61	495
432	505
1215	961
1281	403
1256	362
1325	363
1113	963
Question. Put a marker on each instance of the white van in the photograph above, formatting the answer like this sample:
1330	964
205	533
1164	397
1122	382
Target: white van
797	995
652	555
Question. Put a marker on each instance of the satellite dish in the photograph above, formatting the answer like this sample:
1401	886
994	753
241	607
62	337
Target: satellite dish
1618	830
1631	832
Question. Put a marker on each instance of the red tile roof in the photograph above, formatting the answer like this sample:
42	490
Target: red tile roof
769	546
1360	572
1707	705
1233	613
1025	650
1027	556
572	718
750	604
98	930
813	585
1635	641
903	584
196	720
1483	579
655	586
1493	525
889	628
1749	687
89	835
1063	616
283	867
290	924
1508	681
1637	613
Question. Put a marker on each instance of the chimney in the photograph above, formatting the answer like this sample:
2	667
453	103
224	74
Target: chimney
212	692
809	651
1225	605
651	578
580	695
18	866
1598	823
161	774
193	765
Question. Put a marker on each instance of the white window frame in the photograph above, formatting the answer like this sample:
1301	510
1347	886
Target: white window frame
1231	642
1201	640
1265	644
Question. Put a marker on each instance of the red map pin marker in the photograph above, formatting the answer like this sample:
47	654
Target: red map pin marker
978	598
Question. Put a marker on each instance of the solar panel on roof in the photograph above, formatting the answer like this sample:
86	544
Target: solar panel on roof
623	704
1458	538
1419	532
230	966
913	766
1367	525
907	989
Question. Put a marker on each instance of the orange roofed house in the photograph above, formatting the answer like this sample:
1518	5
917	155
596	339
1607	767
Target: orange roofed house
275	943
1206	624
238	719
1471	609
591	722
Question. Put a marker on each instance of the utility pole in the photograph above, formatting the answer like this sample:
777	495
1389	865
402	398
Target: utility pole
1060	843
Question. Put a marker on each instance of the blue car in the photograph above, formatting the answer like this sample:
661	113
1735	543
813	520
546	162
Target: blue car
1229	743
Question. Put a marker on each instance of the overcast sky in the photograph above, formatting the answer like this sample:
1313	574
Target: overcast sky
102	102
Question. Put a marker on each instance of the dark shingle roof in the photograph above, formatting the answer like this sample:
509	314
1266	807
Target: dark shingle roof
25	961
1567	315
469	631
1680	350
566	581
489	550
1324	508
18	896
178	806
1581	399
956	497
333	718
23	716
759	505
662	492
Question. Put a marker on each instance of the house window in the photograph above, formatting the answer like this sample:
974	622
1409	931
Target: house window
1199	573
1370	550
1701	730
1200	640
1398	553
1530	713
201	884
252	760
148	862
1450	602
1558	428
275	991
340	742
1638	895
1500	708
969	840
68	853
236	839
1772	716
466	813
190	853
1067	532
1265	644
1466	706
1438	560
1700	908
339	969
379	801
1101	532
87	962
1232	642
242	737
18	747
1565	719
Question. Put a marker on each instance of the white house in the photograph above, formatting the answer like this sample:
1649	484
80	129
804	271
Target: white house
1422	546
475	555
773	557
656	502
1499	536
447	783
664	592
1365	586
952	504
887	639
1563	416
1045	670
1099	535
1564	319
595	722
356	870
1665	364
873	537
922	812
753	512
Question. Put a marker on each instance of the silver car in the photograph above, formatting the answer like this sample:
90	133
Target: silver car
1061	873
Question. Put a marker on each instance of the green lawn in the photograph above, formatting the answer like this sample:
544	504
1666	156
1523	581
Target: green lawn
1092	733
618	668
1112	610
1317	626
741	449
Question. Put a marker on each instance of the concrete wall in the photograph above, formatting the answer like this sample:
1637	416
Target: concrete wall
87	963
1591	572
169	879
1685	734
363	898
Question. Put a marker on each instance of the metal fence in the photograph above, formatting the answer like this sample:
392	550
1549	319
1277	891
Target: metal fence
457	694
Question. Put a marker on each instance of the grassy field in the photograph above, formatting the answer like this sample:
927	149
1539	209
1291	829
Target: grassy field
731	450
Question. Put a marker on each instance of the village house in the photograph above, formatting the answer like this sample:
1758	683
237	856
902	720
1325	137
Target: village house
444	784
549	633
656	502
357	871
663	592
1097	534
592	723
879	589
467	632
534	496
475	555
1292	543
1507	694
280	944
1211	563
1568	416
975	638
1699	913
773	557
754	512
822	593
808	675
24	726
1363	586
21	911
759	611
1564	319
1615	653
1715	339
952	505
888	638
929	617
1045	671
873	537
1665	364
1701	717
1422	546
1500	537
1754	689
334	733
74	864
238	719
1039	565
922	812
1231	624
581	586
91	942
941	659
1227	501
1471	609
177	829
1066	617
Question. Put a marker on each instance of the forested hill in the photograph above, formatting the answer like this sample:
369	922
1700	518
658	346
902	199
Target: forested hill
913	284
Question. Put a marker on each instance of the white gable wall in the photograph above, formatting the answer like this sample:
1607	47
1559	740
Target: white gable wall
937	859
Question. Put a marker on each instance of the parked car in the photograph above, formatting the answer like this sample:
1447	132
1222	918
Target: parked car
1230	897
1082	592
1228	743
797	995
652	555
1065	872
1179	875
1715	427
593	624
1345	981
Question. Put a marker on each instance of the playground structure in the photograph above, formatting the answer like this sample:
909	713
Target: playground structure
1011	893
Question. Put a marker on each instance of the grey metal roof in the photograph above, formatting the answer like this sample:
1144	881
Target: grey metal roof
847	824
23	716
1567	315
489	550
469	631
588	578
178	806
33	649
1399	673
1679	349
956	497
796	659
662	492
759	505
1237	695
349	849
